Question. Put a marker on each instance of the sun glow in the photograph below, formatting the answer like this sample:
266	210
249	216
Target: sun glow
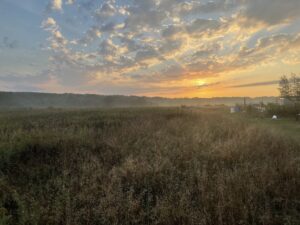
200	82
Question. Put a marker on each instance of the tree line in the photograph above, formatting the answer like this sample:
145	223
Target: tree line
289	88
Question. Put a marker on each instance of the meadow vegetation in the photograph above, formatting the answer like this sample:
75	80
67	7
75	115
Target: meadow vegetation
163	166
289	111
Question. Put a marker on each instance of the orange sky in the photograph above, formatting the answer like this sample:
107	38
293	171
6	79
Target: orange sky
149	48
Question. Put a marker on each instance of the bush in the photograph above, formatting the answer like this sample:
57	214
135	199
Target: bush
283	111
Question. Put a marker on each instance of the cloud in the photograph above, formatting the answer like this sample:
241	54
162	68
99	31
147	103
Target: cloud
57	41
271	12
105	11
70	2
91	34
201	25
186	8
172	31
268	49
55	5
207	85
107	48
146	54
170	47
207	50
265	83
49	24
169	40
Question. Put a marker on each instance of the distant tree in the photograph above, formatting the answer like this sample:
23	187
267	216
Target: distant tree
284	87
290	89
295	87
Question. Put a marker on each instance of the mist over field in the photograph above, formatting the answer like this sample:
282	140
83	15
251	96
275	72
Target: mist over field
44	100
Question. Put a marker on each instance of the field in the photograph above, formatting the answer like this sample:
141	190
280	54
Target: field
164	166
286	126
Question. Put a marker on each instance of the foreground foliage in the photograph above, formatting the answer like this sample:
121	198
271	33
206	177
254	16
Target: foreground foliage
144	166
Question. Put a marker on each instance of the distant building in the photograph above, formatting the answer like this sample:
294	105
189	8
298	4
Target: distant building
235	109
261	108
285	101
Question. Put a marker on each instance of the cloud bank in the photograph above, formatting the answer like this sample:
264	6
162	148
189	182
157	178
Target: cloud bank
157	42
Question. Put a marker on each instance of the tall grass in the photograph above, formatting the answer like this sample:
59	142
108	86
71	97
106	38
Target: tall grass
145	166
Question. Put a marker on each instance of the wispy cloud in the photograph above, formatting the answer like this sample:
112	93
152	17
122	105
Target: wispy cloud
265	83
149	33
55	5
207	85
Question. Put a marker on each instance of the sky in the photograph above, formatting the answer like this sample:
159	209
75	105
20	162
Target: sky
168	48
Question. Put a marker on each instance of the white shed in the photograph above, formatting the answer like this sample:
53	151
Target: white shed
235	109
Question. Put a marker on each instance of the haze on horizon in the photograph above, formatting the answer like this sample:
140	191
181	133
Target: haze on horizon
169	48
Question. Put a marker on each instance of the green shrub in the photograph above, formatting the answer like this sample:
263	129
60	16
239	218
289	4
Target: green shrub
283	111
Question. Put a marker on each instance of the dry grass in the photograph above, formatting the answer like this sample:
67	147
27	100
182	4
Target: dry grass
145	166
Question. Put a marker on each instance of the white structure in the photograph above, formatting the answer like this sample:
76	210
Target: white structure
274	117
261	109
234	109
